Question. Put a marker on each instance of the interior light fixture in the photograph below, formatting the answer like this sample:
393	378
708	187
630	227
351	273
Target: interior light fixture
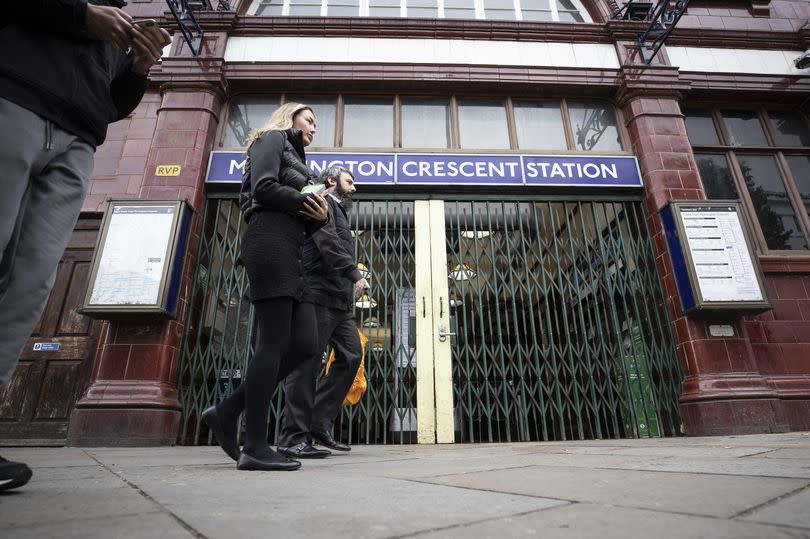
455	302
462	272
371	322
365	302
357	233
364	271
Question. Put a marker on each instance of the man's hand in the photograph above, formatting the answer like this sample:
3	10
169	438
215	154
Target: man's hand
360	288
111	24
145	52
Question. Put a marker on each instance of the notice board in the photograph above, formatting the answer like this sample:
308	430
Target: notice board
713	259
138	260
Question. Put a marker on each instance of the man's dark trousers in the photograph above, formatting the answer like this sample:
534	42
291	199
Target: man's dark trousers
307	410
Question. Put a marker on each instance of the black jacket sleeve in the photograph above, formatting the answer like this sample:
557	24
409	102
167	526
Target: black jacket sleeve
48	12
127	88
333	254
265	164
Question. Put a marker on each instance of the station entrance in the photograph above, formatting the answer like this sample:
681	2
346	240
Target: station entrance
488	320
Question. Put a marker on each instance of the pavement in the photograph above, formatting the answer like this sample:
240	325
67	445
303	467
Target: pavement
718	487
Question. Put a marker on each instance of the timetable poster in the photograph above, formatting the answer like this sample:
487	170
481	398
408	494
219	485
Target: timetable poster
134	256
720	255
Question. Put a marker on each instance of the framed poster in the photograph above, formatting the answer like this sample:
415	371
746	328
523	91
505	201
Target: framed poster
712	256
138	259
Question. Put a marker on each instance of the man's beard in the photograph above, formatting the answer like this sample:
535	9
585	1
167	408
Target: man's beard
345	198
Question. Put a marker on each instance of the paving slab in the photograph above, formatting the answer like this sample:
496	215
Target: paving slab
790	453
793	510
610	522
699	494
224	502
48	457
748	466
45	501
142	526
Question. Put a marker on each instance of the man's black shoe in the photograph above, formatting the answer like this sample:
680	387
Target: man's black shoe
226	441
327	440
13	474
273	463
304	450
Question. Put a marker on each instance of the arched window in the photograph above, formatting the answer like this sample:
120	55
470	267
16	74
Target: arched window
505	10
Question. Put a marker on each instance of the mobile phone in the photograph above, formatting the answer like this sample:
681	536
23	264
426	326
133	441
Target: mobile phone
313	188
153	31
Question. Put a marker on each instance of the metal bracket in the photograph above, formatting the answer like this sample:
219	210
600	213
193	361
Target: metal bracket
661	19
189	27
592	129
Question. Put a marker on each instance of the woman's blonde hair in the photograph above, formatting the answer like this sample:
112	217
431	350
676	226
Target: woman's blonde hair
281	119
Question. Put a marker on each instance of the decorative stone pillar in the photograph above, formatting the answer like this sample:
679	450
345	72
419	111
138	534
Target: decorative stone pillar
722	392
132	399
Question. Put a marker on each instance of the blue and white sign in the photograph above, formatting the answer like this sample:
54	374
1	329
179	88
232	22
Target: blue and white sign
457	169
46	346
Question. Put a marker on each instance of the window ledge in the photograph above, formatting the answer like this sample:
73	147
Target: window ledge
787	263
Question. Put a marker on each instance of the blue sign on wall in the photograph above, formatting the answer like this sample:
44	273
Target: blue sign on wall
457	169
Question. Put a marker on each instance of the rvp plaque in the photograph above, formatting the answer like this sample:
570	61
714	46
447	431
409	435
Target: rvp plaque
138	259
712	256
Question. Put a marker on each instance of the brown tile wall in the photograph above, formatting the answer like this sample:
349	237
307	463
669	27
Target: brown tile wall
780	338
147	8
120	162
785	16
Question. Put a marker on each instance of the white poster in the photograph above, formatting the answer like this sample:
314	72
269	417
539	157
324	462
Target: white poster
722	260
133	256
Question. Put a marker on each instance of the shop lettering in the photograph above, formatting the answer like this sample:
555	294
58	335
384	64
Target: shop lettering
374	168
454	169
237	165
572	170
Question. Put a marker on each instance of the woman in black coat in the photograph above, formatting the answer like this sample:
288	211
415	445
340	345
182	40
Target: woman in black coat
280	219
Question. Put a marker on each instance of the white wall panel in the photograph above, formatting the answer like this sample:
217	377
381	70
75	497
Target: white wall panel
420	51
713	60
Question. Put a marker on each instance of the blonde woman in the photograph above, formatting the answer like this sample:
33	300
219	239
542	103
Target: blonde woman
280	219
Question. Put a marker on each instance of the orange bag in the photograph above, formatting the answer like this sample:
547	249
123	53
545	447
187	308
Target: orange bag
359	385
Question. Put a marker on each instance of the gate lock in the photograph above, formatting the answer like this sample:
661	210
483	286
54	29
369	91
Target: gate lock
443	333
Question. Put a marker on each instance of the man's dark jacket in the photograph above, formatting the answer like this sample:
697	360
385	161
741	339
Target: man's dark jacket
50	66
329	287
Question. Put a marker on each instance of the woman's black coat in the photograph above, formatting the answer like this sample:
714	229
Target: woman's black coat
271	199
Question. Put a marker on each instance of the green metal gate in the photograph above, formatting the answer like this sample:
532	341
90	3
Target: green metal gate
219	343
560	322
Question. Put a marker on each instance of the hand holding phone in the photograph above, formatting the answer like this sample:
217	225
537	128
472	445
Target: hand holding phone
159	37
148	40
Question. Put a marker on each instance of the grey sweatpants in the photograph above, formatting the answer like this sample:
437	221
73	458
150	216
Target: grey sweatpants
44	174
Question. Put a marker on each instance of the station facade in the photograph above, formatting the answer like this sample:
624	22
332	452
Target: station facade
513	159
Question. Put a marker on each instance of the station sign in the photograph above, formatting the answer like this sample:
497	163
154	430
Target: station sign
227	167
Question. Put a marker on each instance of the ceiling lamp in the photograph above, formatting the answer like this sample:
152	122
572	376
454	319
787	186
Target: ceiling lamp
462	272
365	302
357	233
363	270
377	347
456	302
475	234
371	322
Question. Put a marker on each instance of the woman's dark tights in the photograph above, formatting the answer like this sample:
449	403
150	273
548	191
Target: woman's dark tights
287	335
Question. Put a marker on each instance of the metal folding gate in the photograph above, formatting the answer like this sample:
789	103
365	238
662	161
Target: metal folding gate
531	319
